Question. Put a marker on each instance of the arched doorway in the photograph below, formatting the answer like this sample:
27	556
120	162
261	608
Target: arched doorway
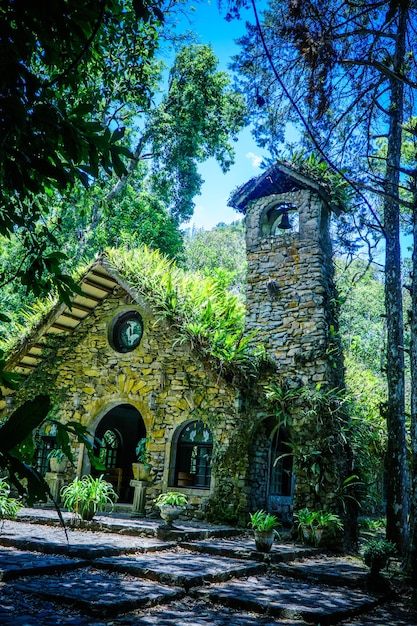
271	470
280	483
117	434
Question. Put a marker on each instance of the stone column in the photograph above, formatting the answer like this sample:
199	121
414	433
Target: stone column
139	494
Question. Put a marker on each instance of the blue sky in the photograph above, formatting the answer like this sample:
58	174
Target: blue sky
211	206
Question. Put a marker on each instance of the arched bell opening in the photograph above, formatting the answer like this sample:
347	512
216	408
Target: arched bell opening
271	481
280	219
116	438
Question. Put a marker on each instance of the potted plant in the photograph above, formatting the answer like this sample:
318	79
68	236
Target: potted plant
141	468
87	495
264	525
57	460
376	555
312	524
171	504
9	507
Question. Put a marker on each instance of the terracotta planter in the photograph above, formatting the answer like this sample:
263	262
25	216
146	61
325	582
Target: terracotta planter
264	540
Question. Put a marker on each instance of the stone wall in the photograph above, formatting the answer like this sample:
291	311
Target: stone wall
290	289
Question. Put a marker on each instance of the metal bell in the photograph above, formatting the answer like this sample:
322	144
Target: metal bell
285	222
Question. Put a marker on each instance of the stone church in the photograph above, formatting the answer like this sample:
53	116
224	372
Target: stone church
111	363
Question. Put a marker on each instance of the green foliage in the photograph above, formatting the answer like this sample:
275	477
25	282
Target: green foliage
377	553
197	307
142	454
16	446
361	319
172	498
220	251
57	454
311	521
195	121
283	400
372	524
55	81
13	431
263	521
9	507
146	200
87	495
315	167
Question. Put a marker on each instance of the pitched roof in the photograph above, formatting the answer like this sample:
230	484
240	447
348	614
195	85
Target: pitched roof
277	179
96	285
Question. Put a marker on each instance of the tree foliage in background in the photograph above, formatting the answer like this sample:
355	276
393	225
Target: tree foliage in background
52	128
219	252
363	334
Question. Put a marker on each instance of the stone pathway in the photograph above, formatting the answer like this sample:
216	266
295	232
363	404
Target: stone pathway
113	578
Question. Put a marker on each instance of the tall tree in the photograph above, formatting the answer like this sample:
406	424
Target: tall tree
345	73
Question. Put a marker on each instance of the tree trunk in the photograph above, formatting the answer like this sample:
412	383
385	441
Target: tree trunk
412	544
397	501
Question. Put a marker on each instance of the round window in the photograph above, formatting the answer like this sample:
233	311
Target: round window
127	331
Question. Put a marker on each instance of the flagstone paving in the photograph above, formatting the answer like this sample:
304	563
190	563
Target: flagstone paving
77	543
98	592
282	597
345	571
181	568
17	563
138	579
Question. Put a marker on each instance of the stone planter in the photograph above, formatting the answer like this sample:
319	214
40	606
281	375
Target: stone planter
58	466
170	513
264	540
140	471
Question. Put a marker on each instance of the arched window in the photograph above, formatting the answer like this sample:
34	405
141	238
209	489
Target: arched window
109	448
193	459
45	441
281	464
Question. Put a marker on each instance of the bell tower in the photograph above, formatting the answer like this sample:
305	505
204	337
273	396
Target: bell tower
291	298
291	305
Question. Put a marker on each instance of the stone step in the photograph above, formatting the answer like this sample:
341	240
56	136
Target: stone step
98	592
290	599
181	568
17	563
343	571
244	548
79	544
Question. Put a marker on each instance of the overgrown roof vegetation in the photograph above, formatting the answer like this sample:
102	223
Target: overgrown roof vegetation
197	307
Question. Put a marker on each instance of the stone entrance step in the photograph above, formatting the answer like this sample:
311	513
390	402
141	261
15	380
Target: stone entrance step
84	545
182	568
17	563
244	548
289	599
98	592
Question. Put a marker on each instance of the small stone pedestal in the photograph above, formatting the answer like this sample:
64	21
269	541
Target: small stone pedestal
139	493
55	482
